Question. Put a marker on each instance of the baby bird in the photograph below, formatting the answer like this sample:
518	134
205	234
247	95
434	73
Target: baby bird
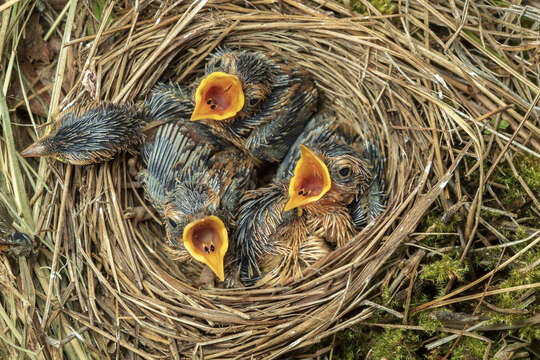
287	223
260	104
325	126
195	182
91	136
13	242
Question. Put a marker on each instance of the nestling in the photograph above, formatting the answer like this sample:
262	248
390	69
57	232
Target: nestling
259	103
92	136
325	126
276	222
195	183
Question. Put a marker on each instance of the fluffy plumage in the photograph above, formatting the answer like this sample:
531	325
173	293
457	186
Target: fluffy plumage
279	99
324	127
91	136
267	234
189	176
370	204
167	102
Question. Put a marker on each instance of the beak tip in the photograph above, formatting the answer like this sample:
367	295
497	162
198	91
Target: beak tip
31	151
219	270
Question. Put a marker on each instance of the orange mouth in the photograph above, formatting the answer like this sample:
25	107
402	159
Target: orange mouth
218	97
310	182
207	241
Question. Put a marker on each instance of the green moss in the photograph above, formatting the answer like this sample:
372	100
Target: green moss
488	259
497	318
468	347
514	191
430	323
419	297
386	296
517	278
521	234
529	169
529	333
391	302
385	7
439	272
350	344
396	344
528	23
435	225
435	354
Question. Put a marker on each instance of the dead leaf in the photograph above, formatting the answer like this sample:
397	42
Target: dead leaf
58	4
37	78
34	48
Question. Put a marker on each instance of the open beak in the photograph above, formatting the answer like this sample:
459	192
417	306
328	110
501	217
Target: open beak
207	241
310	182
218	97
37	149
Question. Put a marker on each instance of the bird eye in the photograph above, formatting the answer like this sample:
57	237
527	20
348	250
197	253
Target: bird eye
172	223
344	171
253	102
212	248
217	63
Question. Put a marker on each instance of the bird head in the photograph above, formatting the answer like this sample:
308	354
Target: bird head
333	171
310	182
46	146
192	220
207	241
88	136
235	84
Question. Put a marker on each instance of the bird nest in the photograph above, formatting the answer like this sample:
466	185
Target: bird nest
115	287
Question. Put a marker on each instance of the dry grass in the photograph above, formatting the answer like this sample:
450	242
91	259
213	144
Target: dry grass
432	82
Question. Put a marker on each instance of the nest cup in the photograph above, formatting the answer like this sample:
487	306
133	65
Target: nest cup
130	296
